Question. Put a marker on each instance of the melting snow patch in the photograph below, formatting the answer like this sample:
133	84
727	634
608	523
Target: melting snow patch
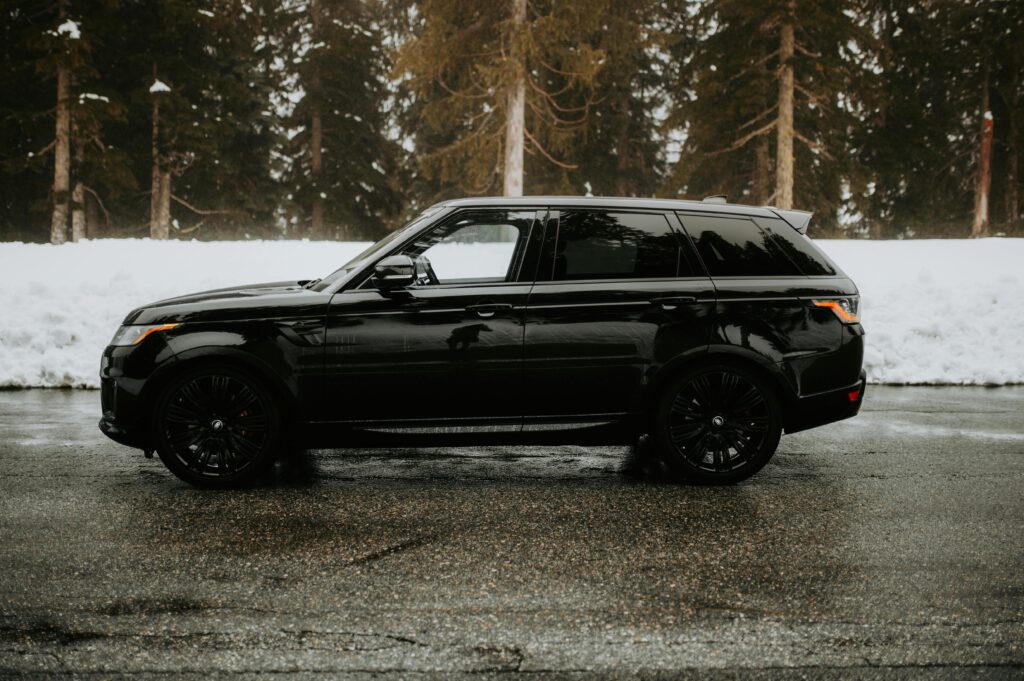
69	29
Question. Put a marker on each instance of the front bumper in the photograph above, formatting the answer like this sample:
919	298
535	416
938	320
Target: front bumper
119	434
827	407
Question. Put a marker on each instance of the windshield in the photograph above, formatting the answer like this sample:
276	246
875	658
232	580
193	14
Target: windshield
368	254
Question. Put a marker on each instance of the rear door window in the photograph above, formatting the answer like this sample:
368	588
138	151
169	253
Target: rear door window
612	245
733	246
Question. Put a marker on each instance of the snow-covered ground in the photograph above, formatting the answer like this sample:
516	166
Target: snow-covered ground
947	311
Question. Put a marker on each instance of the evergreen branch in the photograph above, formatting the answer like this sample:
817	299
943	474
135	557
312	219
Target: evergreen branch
551	101
553	120
812	97
759	62
106	213
813	145
462	95
567	74
743	140
193	228
804	51
45	150
544	152
758	117
199	211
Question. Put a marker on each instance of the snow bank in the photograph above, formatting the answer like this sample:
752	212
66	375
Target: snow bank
935	311
939	311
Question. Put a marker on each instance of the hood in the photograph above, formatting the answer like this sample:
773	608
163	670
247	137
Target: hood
236	302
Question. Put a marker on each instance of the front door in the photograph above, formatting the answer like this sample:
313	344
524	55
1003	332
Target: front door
618	295
446	351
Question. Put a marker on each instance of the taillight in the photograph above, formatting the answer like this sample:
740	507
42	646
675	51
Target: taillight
843	308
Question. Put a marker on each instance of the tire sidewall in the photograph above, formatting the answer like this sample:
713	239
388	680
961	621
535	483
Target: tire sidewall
680	465
263	461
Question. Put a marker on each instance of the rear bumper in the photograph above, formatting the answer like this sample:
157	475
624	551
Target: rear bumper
828	407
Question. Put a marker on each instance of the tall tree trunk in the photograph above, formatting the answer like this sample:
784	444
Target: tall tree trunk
78	229
1013	172
784	146
762	181
160	182
316	139
515	123
61	152
980	226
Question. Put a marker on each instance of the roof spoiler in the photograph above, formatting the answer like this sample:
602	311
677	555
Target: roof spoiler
797	219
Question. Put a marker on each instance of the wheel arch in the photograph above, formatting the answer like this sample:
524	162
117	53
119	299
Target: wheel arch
719	355
221	356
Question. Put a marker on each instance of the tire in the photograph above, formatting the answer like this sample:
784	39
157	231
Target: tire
718	424
217	427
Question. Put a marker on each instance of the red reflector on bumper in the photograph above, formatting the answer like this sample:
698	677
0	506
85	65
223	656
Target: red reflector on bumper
853	395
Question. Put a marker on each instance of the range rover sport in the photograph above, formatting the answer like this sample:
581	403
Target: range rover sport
709	328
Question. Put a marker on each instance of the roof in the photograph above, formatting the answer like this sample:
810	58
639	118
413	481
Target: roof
797	218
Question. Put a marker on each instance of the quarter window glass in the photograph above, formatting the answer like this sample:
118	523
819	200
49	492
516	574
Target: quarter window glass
736	247
474	247
607	245
798	247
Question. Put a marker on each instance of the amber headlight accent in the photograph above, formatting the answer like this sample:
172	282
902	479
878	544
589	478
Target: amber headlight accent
133	335
843	308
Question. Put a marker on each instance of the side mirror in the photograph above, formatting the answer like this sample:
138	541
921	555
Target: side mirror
394	272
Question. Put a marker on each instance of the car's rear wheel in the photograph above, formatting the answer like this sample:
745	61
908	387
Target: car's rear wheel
718	424
216	427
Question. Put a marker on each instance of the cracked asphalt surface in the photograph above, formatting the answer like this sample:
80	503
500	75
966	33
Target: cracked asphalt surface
887	546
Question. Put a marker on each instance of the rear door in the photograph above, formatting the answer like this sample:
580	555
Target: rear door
618	294
763	295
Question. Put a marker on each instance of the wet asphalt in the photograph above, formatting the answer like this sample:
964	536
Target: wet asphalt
887	546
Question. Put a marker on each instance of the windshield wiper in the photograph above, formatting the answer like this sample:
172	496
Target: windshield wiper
311	283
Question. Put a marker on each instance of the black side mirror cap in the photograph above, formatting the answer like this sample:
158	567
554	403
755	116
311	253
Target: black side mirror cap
394	272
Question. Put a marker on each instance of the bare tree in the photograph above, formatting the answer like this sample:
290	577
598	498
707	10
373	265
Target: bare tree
984	181
62	147
784	145
316	138
160	185
515	124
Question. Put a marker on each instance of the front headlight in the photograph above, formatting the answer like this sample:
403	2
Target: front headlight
133	335
845	309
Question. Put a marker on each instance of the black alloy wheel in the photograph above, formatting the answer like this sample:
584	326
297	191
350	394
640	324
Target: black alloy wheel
216	427
719	424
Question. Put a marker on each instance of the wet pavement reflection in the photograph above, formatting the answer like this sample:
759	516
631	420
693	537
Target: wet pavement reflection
891	541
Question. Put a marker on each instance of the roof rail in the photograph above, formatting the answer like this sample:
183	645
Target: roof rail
716	198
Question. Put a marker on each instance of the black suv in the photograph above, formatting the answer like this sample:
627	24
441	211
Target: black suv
704	328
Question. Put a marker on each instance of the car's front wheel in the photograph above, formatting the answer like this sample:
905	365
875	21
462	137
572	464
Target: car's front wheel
718	424
216	427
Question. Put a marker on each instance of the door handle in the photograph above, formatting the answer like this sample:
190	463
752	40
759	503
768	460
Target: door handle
672	302
488	309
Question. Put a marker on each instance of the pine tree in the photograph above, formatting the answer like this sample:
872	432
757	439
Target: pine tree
619	151
791	70
486	79
343	165
922	136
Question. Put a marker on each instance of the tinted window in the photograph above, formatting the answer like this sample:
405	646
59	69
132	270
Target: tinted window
607	245
736	247
798	247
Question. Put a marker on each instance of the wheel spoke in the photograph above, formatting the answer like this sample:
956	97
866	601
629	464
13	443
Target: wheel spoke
748	401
